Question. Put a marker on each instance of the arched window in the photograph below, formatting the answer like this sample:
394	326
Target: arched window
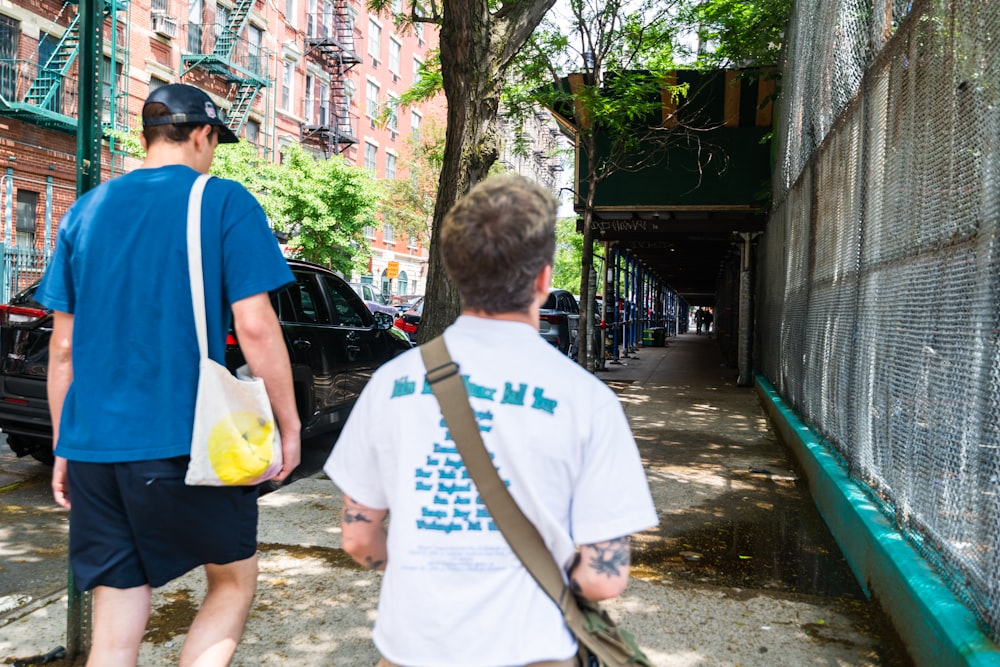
386	283
402	283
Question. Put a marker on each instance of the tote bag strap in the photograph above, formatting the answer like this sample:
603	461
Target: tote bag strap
522	535
194	262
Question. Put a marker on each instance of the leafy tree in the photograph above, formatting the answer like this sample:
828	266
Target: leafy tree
323	205
409	201
479	39
737	33
569	248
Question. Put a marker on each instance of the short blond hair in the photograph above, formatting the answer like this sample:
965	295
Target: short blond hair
496	239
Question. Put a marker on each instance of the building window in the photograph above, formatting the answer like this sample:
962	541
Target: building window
287	72
369	232
371	108
371	156
418	27
155	83
254	61
390	166
309	100
411	242
393	120
290	11
388	233
195	18
395	49
374	41
397	6
109	83
10	34
417	64
415	119
402	282
47	47
221	19
27	216
324	103
327	19
252	132
312	29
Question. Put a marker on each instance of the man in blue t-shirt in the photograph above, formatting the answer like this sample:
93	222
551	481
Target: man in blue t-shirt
123	374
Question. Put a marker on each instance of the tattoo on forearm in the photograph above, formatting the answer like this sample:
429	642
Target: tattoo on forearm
352	512
610	558
373	564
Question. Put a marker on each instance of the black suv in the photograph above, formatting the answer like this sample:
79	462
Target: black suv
558	320
334	342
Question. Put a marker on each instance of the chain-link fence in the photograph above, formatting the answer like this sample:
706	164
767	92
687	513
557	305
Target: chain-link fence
879	295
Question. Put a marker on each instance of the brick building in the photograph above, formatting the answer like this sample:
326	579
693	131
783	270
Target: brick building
315	72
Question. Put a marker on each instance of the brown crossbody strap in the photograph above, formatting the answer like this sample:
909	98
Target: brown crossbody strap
522	536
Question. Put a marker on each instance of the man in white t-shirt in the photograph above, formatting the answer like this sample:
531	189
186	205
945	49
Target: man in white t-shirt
454	594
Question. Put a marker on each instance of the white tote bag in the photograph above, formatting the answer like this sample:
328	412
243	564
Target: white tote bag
235	440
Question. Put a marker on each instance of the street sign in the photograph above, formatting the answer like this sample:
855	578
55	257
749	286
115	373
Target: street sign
392	270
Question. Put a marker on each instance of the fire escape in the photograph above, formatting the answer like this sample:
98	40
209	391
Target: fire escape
330	41
43	90
219	48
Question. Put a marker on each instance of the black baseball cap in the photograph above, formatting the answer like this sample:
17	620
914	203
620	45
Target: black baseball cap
187	105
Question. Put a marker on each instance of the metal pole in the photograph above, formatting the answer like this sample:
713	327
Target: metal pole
745	324
88	175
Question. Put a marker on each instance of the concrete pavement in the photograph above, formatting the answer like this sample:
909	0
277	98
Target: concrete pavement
740	573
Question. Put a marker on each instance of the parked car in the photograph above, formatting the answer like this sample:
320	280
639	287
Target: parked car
403	302
558	320
409	321
373	298
334	343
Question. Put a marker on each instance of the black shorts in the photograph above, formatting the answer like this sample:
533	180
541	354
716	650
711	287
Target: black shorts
137	523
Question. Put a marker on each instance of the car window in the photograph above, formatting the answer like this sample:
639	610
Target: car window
550	303
307	305
347	311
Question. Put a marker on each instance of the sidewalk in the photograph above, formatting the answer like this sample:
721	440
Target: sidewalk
740	572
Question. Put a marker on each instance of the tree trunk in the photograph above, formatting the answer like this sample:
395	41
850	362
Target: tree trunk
585	352
473	95
476	48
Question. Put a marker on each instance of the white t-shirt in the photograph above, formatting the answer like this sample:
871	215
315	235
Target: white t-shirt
454	594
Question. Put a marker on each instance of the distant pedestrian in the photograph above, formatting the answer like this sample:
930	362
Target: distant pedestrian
454	594
123	372
699	321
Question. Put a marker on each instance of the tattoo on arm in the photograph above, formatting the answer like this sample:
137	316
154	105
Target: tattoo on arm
373	564
611	557
354	513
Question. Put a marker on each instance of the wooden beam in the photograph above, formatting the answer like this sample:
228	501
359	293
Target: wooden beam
731	107
765	109
669	109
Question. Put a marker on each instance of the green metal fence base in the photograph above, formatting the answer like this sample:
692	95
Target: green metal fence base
937	629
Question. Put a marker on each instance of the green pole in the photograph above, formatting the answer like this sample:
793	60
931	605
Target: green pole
88	145
88	175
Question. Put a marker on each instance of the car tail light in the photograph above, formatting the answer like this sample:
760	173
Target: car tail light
551	319
15	401
20	314
231	339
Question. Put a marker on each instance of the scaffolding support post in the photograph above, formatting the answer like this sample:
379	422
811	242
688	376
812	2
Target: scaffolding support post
745	340
88	175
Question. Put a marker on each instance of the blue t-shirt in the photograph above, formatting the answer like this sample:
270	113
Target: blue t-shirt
120	267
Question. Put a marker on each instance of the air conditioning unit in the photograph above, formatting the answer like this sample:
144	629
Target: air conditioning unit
163	25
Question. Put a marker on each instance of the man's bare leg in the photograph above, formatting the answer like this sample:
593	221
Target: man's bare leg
120	616
218	626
